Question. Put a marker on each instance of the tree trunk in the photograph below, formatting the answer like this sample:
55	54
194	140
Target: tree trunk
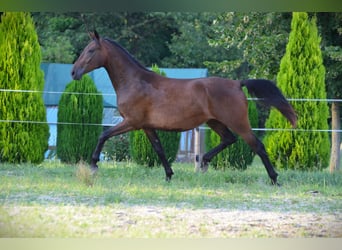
335	137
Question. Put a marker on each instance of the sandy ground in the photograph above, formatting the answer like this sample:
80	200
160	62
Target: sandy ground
161	222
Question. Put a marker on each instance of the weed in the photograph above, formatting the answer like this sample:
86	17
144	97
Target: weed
84	174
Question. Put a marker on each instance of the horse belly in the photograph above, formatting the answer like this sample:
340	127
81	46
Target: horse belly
178	118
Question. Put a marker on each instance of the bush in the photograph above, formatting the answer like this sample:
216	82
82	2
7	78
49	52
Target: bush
143	153
117	148
301	75
238	155
141	149
20	58
76	142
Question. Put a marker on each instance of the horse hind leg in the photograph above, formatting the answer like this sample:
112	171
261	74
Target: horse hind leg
227	138
259	148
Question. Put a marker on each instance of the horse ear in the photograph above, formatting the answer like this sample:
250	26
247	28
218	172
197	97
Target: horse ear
94	35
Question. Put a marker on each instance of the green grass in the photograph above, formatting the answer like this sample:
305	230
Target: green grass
58	200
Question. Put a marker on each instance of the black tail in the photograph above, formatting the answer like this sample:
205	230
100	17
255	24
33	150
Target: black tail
269	94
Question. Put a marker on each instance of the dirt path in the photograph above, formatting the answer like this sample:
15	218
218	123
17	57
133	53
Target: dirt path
161	222
224	223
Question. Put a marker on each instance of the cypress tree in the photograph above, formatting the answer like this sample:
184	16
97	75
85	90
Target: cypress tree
25	139
238	155
301	75
141	149
80	105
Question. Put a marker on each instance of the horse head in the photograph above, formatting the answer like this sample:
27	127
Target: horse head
92	57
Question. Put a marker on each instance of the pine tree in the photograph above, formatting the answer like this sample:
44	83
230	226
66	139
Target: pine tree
24	132
77	140
238	155
141	149
301	75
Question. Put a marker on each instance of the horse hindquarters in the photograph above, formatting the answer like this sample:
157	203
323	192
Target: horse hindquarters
231	109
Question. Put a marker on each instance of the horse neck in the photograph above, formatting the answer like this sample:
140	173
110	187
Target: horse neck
121	68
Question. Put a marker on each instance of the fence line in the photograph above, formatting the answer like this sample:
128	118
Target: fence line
113	94
53	92
290	129
201	127
56	123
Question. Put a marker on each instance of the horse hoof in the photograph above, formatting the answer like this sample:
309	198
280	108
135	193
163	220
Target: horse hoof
275	183
94	169
168	178
204	167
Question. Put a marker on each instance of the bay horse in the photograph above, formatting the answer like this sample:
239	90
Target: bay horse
152	102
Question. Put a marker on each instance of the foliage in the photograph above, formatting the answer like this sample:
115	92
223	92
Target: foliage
144	34
238	155
255	40
117	148
330	26
189	45
20	59
301	75
141	149
82	107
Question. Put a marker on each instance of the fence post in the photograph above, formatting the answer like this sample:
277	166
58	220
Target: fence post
197	149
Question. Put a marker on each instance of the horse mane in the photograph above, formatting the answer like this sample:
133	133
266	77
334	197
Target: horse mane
129	55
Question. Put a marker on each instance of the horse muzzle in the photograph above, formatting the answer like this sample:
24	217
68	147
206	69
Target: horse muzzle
77	73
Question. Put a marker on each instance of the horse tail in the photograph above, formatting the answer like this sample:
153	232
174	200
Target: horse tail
271	95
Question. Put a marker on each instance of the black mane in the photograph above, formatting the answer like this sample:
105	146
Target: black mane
127	53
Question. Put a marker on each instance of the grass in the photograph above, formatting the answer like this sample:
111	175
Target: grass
127	200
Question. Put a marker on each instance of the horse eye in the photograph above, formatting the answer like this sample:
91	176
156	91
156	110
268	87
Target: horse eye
91	51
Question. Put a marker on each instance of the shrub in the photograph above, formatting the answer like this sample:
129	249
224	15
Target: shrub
141	149
117	148
20	58
76	142
301	75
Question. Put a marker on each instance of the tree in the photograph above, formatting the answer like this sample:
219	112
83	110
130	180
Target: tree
301	75
80	108
238	155
24	134
141	149
145	34
189	46
330	27
255	41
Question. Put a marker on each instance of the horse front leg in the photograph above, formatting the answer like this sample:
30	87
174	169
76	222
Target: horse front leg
121	128
157	146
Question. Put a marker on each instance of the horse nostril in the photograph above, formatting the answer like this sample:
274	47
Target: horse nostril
73	74
76	74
